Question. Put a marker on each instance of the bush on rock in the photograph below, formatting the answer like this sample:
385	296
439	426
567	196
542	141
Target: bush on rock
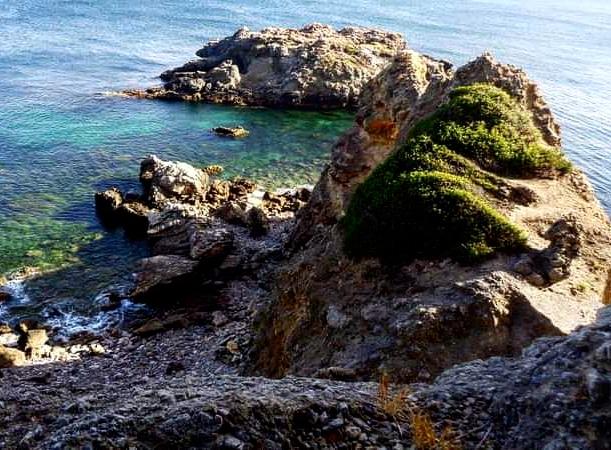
434	196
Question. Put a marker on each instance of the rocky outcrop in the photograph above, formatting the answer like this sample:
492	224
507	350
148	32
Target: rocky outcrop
315	66
417	318
194	222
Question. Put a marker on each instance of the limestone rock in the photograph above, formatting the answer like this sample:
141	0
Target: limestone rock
430	315
166	181
315	66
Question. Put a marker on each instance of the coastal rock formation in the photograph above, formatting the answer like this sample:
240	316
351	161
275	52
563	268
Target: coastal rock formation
339	304
194	222
314	67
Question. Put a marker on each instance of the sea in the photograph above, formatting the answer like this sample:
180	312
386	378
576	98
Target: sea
62	137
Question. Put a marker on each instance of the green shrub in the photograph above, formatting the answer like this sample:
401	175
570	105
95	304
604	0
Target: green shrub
431	197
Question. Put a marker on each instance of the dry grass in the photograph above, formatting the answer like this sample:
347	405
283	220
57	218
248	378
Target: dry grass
423	433
394	404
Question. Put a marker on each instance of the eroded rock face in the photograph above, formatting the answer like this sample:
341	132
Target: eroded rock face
315	66
418	318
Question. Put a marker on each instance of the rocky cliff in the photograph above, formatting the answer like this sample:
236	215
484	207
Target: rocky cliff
414	317
314	67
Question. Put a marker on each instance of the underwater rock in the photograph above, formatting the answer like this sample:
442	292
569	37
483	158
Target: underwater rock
234	132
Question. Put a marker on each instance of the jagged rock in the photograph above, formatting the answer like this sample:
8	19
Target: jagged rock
133	215
107	203
166	181
553	264
171	229
288	201
214	170
211	244
11	357
548	397
240	188
433	314
234	132
233	213
159	272
315	66
219	192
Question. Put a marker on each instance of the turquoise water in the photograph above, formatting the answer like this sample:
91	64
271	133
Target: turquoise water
61	139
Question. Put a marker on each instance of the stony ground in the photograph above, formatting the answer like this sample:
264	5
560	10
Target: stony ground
177	390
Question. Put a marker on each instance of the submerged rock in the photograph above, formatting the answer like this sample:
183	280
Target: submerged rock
234	132
314	67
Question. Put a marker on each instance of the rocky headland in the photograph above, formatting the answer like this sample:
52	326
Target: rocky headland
314	67
442	286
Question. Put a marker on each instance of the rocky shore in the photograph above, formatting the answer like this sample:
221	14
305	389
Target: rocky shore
442	286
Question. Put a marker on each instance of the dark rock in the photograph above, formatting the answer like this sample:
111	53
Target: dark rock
240	188
232	212
107	204
211	243
257	222
174	367
134	217
151	327
160	272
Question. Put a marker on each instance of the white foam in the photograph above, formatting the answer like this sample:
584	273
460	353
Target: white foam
68	322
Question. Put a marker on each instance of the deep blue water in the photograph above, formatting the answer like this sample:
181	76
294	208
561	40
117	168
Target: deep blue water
61	139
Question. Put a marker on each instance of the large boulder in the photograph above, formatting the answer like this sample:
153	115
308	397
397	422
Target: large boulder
315	66
160	274
166	181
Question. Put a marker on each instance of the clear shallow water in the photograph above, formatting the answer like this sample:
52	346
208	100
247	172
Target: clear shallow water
60	140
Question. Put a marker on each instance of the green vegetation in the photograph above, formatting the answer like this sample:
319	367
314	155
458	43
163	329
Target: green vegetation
431	198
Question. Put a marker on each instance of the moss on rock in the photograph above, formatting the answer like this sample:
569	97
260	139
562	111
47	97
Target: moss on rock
434	196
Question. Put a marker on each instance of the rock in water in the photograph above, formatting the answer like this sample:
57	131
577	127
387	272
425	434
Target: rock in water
314	67
166	181
107	204
235	132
